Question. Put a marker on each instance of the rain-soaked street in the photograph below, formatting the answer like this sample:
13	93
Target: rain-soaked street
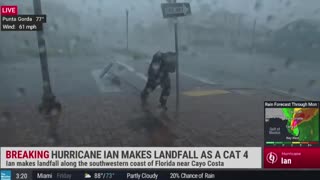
99	112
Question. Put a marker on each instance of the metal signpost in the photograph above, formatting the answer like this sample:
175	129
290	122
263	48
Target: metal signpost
49	102
174	10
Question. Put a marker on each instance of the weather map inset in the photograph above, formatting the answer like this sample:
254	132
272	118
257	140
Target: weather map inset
291	123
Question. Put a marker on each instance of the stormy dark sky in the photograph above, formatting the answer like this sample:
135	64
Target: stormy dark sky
148	11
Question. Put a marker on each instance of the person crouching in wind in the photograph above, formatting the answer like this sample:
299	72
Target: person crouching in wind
158	74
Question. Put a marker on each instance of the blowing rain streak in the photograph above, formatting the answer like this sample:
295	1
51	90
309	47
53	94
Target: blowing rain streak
148	73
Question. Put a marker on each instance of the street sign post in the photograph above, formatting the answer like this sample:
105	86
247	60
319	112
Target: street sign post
175	10
49	102
177	69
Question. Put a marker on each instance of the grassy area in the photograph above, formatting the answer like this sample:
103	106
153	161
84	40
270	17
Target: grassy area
51	52
80	52
134	54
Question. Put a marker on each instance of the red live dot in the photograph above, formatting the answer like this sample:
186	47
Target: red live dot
9	10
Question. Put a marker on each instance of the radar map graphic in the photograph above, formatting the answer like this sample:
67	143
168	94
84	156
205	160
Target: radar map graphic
292	124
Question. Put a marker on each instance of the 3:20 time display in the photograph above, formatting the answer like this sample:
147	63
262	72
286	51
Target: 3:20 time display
21	176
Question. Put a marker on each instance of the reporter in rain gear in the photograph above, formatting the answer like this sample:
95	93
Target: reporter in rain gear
158	74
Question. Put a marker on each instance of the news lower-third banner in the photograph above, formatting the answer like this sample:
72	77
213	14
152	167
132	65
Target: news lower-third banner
130	157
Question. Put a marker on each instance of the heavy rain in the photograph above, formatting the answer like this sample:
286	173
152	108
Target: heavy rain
233	56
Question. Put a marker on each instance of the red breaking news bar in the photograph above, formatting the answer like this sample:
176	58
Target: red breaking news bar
9	10
291	157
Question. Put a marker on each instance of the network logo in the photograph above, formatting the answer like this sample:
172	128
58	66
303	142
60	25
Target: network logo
5	175
272	158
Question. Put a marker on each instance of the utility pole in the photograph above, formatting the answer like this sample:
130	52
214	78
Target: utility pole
253	35
238	30
240	17
49	102
177	73
127	27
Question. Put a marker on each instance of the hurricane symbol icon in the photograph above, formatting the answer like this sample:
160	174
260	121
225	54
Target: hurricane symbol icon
272	157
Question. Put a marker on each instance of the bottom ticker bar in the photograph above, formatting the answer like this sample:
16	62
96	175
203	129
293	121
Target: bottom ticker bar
156	174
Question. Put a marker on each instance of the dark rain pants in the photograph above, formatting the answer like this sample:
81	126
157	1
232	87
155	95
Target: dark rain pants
152	84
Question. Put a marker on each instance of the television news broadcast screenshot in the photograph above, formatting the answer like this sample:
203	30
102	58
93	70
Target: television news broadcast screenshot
159	89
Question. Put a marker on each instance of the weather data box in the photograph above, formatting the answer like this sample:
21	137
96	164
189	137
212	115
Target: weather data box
291	131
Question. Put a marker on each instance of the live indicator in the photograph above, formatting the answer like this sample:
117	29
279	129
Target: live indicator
9	10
